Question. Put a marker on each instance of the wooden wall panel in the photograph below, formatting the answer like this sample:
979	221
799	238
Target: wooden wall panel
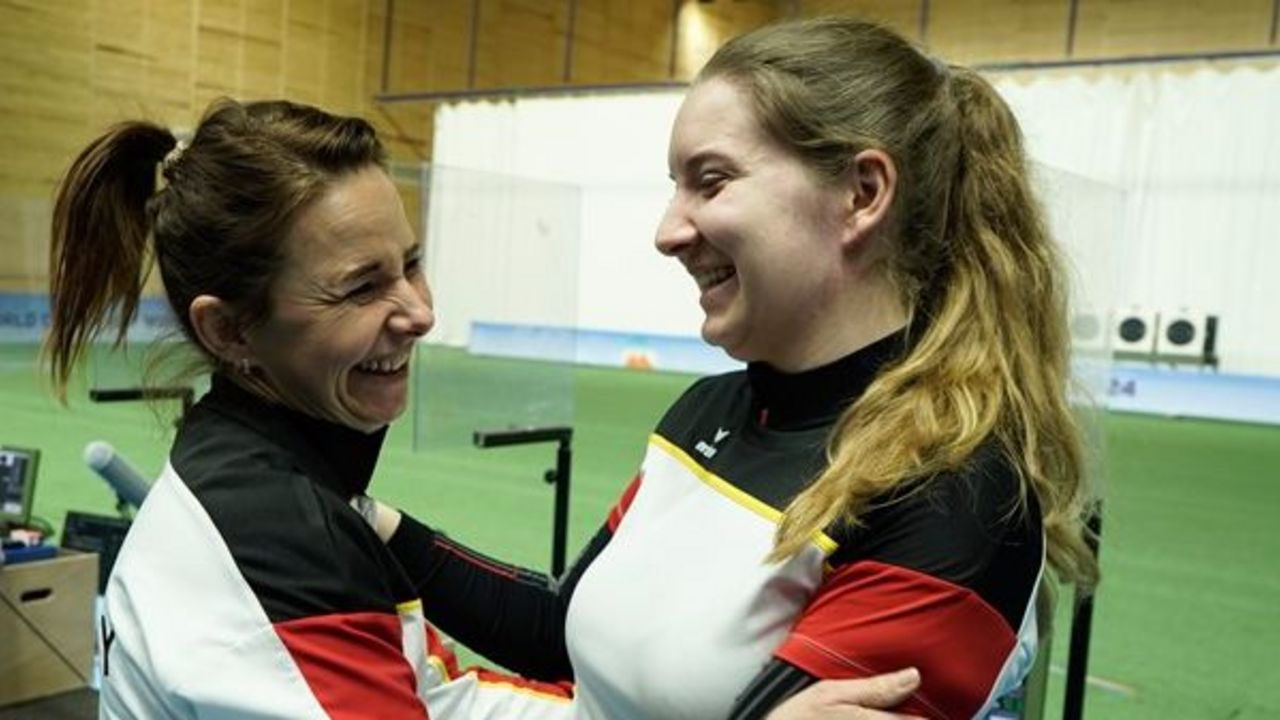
430	50
343	89
225	15
171	72
901	15
521	43
969	31
430	44
69	67
1109	28
72	67
406	130
617	41
46	52
414	47
374	46
121	49
45	93
218	56
24	234
706	26
262	50
304	44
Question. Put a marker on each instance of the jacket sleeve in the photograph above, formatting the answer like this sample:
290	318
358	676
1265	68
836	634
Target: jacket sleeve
282	604
337	600
942	578
513	616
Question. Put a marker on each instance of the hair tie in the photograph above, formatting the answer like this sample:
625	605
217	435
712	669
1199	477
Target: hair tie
173	156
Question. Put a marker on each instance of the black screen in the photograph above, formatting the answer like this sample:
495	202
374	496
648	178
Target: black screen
16	477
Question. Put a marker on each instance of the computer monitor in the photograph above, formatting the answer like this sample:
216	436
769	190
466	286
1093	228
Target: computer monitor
17	484
101	534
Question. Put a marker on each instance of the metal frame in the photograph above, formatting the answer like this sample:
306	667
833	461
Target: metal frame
558	476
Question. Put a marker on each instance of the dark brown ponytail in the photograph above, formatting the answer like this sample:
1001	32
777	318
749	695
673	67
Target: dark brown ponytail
99	250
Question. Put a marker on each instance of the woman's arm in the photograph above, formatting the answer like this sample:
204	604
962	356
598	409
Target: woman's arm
942	578
512	615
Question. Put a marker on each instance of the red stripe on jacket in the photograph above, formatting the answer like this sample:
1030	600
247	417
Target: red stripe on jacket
354	665
562	689
438	650
620	509
871	618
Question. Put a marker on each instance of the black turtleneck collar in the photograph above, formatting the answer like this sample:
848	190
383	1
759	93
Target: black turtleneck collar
337	456
798	401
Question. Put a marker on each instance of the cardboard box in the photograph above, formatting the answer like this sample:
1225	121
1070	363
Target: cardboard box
46	625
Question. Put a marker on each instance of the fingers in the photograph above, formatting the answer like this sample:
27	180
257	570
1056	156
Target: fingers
860	699
879	691
387	521
852	712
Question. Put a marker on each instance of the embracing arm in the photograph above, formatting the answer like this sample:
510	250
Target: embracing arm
783	691
511	615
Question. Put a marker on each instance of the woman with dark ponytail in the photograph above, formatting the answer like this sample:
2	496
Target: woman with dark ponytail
888	481
252	583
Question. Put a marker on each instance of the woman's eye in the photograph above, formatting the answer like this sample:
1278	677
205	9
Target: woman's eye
711	182
412	266
362	291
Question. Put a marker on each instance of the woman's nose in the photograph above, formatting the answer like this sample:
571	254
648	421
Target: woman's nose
414	314
676	231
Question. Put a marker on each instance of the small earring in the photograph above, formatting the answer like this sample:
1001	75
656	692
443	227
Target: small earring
245	367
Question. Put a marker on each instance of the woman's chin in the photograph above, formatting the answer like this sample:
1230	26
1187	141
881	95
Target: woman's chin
719	333
376	400
375	418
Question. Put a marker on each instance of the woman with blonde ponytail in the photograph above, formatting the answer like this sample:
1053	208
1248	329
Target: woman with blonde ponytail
888	482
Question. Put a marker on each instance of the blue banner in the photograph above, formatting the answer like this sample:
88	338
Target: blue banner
24	318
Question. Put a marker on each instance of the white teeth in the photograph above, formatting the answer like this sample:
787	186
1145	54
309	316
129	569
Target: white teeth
385	365
712	277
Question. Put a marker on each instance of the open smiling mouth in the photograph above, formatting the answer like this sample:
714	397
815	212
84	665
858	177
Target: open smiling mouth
393	365
707	279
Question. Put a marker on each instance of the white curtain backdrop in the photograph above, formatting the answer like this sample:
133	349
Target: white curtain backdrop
1198	152
613	148
501	249
1171	177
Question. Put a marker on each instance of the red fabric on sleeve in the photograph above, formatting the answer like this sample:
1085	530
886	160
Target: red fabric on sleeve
446	656
354	665
562	690
620	509
870	618
438	650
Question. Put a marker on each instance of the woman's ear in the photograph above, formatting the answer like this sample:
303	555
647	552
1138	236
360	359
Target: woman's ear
217	329
873	181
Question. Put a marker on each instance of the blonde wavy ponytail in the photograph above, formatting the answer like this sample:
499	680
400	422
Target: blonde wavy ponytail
973	260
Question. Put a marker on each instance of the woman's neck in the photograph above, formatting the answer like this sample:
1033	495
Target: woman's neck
866	311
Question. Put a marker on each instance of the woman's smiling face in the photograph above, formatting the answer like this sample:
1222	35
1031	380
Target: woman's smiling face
347	308
754	226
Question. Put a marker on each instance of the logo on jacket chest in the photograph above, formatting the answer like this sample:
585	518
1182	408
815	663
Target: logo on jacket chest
709	449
